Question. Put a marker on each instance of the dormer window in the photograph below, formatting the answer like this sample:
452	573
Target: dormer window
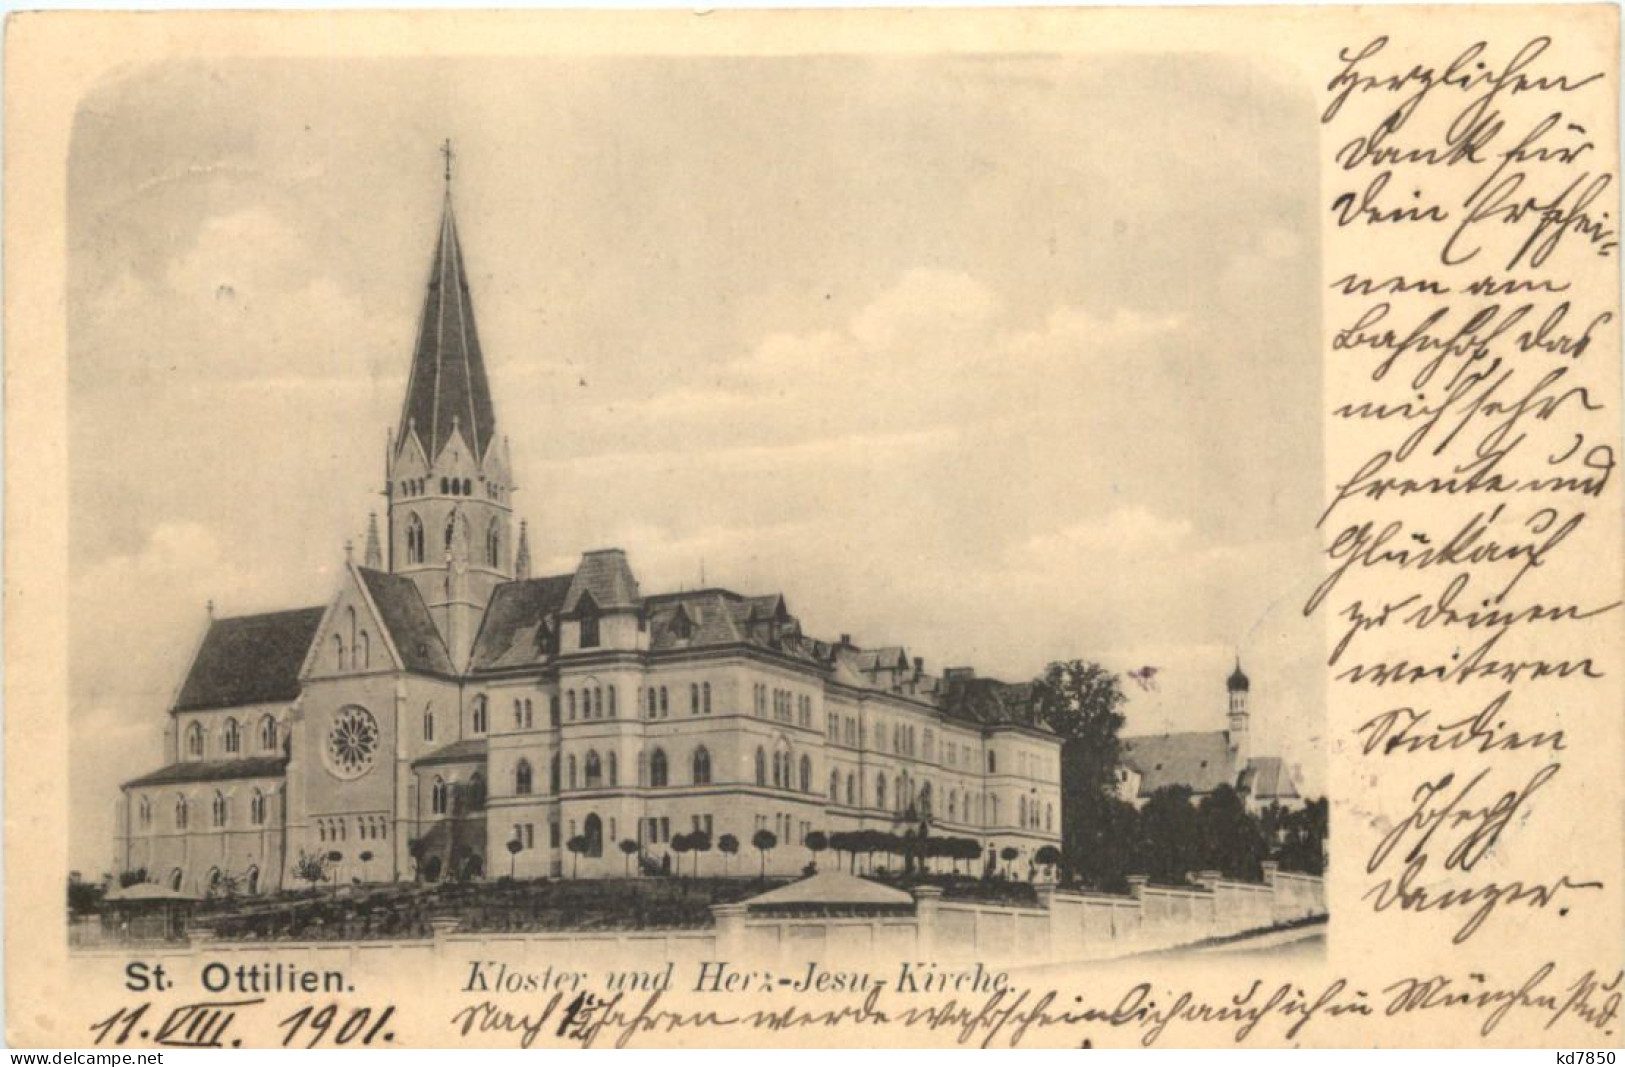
589	624
682	627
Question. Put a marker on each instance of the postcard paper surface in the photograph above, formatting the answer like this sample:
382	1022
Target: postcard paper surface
1007	528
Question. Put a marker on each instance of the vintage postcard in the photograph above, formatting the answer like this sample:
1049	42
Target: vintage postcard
1051	528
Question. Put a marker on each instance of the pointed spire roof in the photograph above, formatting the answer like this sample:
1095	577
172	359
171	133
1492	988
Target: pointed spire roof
448	389
374	557
521	562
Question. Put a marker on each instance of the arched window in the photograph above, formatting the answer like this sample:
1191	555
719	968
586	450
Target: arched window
705	691
1049	816
1021	811
553	775
553	710
612	768
194	740
880	790
612	711
445	487
338	652
468	487
851	790
363	649
834	787
474	792
231	736
253	880
480	714
925	801
598	702
437	796
175	879
657	768
146	813
593	830
806	774
665	706
702	766
256	808
570	705
694	698
493	545
414	538
595	770
953	803
570	771
428	726
589	626
217	809
761	767
652	699
268	734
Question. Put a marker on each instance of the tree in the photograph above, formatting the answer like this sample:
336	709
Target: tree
577	846
728	845
1232	841
514	847
1082	702
629	848
699	842
764	841
817	841
83	896
1304	834
1008	854
310	867
682	844
1171	844
1049	856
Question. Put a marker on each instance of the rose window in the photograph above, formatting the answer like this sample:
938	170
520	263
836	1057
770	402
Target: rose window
352	743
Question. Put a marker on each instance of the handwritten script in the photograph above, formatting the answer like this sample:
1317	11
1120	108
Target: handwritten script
1471	256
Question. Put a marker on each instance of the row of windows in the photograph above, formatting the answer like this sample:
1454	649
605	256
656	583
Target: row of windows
783	826
595	772
231	737
448	487
219	811
451	798
357	655
787	706
367	828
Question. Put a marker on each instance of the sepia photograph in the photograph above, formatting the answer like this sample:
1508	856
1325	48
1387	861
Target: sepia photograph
814	529
656	509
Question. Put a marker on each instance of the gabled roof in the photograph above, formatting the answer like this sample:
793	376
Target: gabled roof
515	631
448	387
1199	760
1266	778
605	575
989	702
406	617
469	750
831	888
892	657
712	617
250	659
221	770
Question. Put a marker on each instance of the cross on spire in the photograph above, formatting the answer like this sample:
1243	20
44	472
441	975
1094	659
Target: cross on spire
445	150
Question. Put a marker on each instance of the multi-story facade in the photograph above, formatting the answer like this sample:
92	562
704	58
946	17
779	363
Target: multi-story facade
446	703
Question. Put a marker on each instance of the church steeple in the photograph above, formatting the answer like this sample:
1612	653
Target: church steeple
448	390
448	473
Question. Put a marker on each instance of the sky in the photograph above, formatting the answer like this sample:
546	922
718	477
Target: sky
1001	359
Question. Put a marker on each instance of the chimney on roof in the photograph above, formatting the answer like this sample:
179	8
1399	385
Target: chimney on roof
919	666
846	641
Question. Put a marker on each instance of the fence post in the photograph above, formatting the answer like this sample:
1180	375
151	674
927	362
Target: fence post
440	926
730	920
926	900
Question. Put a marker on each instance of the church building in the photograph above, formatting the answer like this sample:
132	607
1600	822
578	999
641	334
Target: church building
1203	760
449	714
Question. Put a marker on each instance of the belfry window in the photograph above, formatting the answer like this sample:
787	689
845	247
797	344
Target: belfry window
414	538
493	545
